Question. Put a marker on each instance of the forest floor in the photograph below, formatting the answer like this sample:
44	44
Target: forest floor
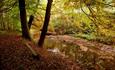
15	55
89	55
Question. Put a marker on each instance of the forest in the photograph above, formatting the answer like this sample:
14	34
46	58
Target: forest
57	34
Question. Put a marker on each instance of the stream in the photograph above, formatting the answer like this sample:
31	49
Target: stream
88	54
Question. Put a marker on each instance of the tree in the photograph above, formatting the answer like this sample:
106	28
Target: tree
46	22
24	26
30	21
1	15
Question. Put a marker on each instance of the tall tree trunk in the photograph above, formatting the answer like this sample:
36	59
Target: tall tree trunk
2	15
30	21
1	20
46	22
24	26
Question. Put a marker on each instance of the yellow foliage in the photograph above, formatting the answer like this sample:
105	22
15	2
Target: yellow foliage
51	28
88	1
38	23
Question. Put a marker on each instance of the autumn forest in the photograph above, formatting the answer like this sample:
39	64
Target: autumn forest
57	34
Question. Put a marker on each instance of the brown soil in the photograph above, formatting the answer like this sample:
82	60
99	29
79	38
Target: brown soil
15	55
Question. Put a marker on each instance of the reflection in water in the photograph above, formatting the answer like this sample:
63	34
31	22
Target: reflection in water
55	50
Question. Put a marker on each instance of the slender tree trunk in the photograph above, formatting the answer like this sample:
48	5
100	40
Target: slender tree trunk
46	22
30	21
24	26
1	15
1	21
